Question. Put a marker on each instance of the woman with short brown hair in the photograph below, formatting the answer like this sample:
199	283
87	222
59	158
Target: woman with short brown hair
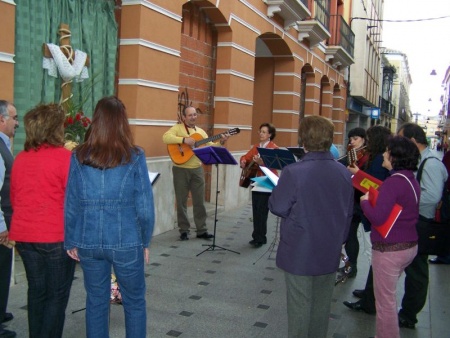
38	182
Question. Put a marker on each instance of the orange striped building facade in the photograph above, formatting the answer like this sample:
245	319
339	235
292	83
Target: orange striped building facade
240	62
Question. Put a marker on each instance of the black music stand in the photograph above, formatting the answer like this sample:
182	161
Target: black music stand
298	152
276	158
216	156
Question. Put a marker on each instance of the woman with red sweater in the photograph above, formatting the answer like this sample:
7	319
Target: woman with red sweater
38	182
260	200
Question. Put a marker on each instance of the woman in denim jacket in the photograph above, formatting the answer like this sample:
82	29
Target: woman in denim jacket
109	218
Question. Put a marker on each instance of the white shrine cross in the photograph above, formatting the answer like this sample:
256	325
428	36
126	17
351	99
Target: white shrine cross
66	49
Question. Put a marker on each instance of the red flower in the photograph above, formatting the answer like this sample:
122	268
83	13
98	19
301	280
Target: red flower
76	124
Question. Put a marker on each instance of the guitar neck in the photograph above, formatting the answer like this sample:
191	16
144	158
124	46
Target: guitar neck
250	165
206	140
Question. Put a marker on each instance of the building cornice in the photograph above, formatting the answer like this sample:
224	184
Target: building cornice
153	7
151	45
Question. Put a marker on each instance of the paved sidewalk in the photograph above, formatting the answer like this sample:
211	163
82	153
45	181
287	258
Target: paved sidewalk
220	293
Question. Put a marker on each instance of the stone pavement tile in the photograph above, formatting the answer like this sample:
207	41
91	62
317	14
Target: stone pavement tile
223	294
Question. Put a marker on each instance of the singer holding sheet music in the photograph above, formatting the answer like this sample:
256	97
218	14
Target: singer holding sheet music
260	200
377	139
393	253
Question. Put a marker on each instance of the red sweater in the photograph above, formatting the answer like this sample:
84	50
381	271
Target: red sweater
38	184
253	152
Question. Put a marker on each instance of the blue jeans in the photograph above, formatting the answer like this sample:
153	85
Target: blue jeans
50	274
128	266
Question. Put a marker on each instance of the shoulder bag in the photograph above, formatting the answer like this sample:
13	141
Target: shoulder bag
434	236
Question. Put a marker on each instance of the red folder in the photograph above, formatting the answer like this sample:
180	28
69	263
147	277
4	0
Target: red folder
386	227
363	181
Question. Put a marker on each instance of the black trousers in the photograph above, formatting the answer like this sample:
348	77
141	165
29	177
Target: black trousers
416	288
5	274
352	243
368	299
260	206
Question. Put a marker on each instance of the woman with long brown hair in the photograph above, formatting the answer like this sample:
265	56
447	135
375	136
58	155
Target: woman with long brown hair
109	218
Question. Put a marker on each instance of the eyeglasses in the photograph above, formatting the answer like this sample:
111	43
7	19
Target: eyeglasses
15	117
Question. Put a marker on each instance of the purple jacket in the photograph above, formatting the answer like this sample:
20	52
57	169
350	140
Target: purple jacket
395	189
314	197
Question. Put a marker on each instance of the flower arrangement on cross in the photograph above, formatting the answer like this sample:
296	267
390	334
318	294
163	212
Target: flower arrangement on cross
76	123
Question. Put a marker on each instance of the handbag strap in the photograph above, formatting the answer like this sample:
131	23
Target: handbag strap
419	172
414	190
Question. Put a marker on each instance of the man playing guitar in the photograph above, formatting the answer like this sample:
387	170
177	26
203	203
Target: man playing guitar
188	176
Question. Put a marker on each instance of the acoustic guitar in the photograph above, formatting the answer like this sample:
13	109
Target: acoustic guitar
181	153
247	173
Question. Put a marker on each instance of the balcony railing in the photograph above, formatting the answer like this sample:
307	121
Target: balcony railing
386	107
342	35
322	13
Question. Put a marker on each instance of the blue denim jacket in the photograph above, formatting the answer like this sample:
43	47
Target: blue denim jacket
109	208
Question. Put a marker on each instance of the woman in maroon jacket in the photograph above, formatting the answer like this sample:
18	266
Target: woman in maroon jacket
260	200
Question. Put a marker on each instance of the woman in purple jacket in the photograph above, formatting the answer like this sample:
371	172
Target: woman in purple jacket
393	253
314	198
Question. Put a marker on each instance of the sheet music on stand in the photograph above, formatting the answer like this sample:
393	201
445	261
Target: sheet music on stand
298	152
276	158
153	176
214	155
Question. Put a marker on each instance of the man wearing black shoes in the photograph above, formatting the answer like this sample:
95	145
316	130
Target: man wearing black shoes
188	174
4	333
367	297
440	260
